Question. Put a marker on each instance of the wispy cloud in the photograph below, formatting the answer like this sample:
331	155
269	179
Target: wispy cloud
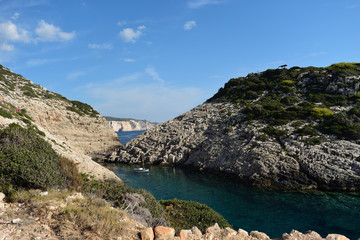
134	96
49	33
6	47
15	16
201	3
129	60
189	25
131	35
104	46
154	74
36	62
315	54
75	75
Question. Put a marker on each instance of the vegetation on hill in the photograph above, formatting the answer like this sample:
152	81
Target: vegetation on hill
11	82
310	95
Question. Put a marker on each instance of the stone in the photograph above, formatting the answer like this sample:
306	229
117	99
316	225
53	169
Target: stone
213	229
164	233
259	235
243	233
296	235
2	197
336	237
184	234
44	193
16	221
147	234
196	231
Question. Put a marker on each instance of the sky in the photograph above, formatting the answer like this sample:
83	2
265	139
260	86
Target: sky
156	59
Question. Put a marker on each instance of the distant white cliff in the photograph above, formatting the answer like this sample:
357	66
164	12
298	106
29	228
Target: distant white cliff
129	124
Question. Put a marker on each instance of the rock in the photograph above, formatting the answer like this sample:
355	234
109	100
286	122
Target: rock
2	197
242	233
336	237
296	235
74	196
213	229
164	233
184	234
147	234
259	235
196	231
16	221
44	193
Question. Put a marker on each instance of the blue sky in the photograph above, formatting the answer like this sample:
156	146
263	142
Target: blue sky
155	59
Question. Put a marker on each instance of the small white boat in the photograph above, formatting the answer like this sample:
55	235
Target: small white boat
141	170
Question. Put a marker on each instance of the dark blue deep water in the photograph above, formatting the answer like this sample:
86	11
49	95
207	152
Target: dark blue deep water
270	211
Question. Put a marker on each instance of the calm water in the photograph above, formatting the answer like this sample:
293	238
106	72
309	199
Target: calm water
249	208
127	136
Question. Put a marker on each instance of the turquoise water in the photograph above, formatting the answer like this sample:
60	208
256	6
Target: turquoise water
270	211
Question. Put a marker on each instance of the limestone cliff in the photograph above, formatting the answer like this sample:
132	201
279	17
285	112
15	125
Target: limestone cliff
73	128
288	128
124	125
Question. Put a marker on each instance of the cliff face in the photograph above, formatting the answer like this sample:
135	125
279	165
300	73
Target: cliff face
289	128
73	128
131	125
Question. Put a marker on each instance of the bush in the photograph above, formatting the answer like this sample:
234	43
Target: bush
187	214
5	113
28	161
321	112
119	195
273	132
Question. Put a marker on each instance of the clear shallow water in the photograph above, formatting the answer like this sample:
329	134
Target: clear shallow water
127	136
270	211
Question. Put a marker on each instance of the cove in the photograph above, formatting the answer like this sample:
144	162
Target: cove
271	211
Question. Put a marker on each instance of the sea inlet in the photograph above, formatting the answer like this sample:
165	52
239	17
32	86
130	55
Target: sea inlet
271	211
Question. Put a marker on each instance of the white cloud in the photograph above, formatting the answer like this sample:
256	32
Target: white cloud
75	75
10	32
131	35
15	16
200	3
154	74
49	33
189	25
105	46
41	61
6	47
129	60
121	23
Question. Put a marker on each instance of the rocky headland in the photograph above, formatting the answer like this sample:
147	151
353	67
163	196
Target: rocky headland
128	124
296	128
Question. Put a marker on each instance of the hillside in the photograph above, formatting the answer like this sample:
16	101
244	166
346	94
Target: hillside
73	128
288	128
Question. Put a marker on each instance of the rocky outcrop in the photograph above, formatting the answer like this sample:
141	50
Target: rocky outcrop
73	128
131	125
215	232
238	137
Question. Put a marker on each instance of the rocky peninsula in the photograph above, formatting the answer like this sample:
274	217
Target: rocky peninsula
129	124
294	128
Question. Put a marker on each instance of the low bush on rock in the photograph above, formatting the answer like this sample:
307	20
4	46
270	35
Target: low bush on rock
187	214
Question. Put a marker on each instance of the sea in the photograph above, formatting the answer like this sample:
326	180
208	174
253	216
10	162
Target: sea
250	208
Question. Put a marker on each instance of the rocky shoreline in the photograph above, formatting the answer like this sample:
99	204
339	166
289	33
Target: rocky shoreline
287	135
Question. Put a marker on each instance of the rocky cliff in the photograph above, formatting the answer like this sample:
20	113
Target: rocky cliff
289	128
125	125
74	129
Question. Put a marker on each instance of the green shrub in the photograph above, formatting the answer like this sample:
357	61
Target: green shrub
274	132
307	131
319	112
28	91
5	113
28	161
187	214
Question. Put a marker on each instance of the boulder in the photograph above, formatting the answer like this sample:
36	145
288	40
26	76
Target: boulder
259	235
336	237
147	234
164	233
